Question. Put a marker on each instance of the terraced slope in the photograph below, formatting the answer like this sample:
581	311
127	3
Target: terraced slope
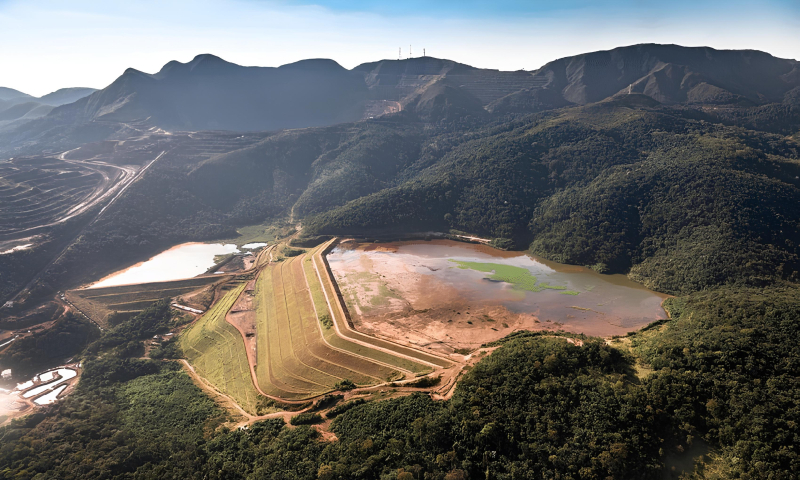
129	300
294	359
215	349
299	353
329	329
342	324
38	191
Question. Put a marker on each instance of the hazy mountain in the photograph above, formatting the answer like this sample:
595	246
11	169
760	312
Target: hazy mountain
66	95
9	94
17	107
24	110
209	93
666	73
404	80
54	99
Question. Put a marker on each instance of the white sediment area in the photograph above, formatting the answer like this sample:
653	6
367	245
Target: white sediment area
66	375
50	397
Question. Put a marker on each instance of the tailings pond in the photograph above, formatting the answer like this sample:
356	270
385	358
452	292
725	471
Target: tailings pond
447	295
183	261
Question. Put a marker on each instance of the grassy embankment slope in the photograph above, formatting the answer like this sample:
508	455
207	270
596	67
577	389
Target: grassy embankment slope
342	326
294	360
216	350
300	352
126	301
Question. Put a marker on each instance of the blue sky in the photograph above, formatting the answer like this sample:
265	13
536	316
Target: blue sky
49	44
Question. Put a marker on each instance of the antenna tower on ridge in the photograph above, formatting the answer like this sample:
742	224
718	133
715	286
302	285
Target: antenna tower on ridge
400	53
423	52
409	51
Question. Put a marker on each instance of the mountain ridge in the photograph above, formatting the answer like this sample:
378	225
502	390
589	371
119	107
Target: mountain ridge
210	93
16	106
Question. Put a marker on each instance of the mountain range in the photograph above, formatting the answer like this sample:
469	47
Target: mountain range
209	93
19	106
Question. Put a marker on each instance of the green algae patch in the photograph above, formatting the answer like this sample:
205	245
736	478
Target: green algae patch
521	278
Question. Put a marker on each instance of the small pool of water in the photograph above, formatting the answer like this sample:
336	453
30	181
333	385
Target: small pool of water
65	374
51	397
251	246
183	261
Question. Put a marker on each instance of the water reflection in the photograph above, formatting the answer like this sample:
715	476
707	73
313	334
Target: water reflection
603	305
183	261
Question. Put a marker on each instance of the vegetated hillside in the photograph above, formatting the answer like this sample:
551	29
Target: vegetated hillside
67	337
683	204
571	411
190	195
726	371
673	74
670	194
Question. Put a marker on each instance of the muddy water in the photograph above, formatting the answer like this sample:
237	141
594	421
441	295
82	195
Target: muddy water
183	261
581	301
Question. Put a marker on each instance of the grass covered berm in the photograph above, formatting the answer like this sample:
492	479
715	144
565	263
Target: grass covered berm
521	278
329	331
216	351
294	360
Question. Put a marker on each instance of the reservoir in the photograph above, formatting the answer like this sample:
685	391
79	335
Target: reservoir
459	284
179	262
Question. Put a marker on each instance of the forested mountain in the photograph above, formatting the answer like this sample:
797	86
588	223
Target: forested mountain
672	196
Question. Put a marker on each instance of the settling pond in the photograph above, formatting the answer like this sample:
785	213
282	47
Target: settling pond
423	275
179	262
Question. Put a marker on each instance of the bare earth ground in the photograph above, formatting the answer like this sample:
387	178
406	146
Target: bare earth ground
200	299
243	317
388	299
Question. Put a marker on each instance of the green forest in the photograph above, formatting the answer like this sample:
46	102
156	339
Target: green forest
721	372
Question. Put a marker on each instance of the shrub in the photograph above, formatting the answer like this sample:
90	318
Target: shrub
340	409
307	418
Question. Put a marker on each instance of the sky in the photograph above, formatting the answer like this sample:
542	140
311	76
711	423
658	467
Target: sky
50	44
